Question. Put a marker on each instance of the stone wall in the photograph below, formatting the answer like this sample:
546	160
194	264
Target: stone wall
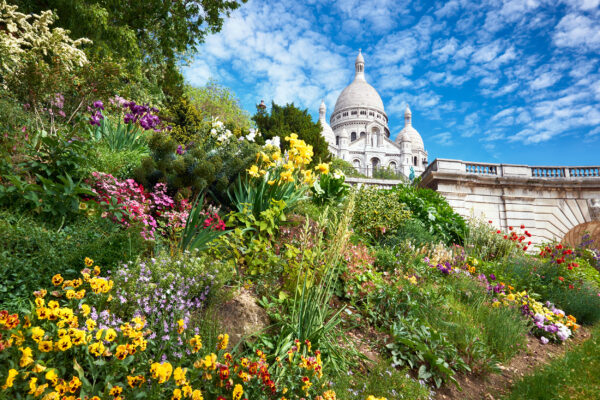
549	201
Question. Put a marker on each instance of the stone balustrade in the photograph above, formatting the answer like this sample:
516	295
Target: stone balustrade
512	170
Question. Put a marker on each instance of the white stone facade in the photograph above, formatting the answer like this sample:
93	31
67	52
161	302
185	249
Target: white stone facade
548	201
358	131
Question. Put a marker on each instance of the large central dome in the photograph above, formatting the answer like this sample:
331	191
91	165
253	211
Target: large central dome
359	93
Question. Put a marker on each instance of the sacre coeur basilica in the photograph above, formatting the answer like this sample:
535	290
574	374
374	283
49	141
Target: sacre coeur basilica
358	131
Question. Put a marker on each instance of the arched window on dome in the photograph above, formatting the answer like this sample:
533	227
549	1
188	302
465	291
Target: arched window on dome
415	161
363	134
337	140
353	136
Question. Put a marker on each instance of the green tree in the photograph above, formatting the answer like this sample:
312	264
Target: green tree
214	100
287	119
150	37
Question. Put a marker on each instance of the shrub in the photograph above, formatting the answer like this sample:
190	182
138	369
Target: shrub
212	164
484	242
120	164
413	231
378	213
434	212
33	251
344	166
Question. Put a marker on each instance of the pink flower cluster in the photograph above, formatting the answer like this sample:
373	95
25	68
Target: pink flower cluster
214	222
126	202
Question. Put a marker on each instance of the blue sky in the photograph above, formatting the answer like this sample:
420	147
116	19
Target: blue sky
513	81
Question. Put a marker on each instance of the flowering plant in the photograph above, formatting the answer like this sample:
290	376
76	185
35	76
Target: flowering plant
330	188
126	202
57	350
550	323
277	177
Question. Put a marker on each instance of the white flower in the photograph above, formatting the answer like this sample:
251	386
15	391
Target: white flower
337	174
275	142
251	135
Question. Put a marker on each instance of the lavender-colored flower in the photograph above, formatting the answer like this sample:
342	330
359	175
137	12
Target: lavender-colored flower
544	340
98	104
493	277
180	150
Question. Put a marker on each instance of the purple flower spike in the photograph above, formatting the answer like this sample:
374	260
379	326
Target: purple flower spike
99	104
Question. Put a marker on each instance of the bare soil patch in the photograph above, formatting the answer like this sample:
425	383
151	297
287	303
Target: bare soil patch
494	386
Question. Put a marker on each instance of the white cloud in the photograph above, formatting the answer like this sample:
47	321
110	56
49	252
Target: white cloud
486	53
575	30
443	138
545	80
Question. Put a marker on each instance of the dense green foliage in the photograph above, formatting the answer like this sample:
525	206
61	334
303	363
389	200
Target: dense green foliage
284	120
378	213
148	38
33	251
434	212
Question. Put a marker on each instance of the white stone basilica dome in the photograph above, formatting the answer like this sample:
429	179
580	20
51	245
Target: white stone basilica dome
359	93
410	133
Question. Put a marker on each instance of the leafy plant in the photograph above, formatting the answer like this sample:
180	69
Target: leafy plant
201	227
330	188
378	213
434	212
420	347
118	137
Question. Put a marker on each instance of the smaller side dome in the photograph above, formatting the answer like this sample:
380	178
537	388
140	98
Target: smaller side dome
326	131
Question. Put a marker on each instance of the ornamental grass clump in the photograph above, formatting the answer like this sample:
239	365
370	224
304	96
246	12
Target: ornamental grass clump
57	350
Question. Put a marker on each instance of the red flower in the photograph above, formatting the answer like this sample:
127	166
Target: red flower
498	231
489	222
524	248
522	226
510	228
571	287
560	278
505	237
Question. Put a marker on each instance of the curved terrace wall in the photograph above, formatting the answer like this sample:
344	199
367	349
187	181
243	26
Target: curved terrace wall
549	201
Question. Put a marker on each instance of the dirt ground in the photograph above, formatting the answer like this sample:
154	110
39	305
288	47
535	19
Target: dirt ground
494	386
476	387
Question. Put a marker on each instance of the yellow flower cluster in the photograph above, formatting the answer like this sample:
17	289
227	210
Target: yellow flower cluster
290	168
522	299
